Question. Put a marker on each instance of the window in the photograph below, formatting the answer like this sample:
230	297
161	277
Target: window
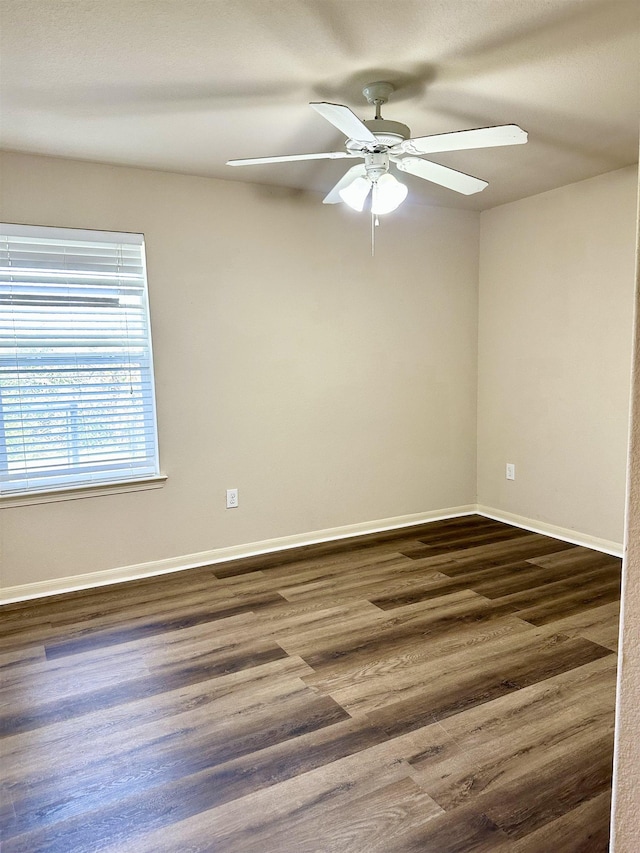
77	403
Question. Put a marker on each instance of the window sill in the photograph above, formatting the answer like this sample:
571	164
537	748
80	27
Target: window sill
75	492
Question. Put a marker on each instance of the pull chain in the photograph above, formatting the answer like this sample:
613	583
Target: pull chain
374	224
373	234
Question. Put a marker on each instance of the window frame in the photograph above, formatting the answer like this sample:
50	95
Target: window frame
131	472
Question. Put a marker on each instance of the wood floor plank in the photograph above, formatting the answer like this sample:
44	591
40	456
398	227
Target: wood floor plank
502	718
371	663
19	657
443	687
71	645
322	796
550	592
218	662
598	624
577	557
536	748
16	638
495	582
474	527
573	779
101	663
459	831
159	756
365	585
571	602
443	544
92	604
316	618
55	747
394	630
377	821
522	547
456	682
531	576
585	828
162	806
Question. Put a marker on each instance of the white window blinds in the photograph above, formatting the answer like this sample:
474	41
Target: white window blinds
76	378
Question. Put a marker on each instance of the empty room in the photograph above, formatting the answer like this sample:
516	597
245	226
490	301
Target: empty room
319	455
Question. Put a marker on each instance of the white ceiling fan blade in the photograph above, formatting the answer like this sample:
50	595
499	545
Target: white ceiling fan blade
480	137
333	196
287	158
443	175
345	120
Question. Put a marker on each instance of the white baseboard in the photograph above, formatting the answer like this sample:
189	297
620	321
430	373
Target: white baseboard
219	555
563	533
56	586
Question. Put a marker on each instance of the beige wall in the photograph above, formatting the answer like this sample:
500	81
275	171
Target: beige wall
555	321
329	387
626	805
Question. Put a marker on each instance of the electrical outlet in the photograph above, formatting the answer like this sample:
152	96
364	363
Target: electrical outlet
511	471
232	498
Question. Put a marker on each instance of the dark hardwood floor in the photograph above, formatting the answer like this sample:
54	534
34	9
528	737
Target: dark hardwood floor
448	687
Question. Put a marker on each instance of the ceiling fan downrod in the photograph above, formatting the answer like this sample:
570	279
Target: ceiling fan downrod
386	132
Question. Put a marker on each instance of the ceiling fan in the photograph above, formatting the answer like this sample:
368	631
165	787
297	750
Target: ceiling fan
383	143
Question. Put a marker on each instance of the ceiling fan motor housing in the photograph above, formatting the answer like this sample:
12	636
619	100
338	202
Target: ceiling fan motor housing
388	132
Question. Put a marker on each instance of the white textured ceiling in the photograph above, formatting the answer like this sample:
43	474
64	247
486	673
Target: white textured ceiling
184	85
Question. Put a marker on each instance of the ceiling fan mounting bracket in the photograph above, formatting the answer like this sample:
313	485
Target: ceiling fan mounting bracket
378	93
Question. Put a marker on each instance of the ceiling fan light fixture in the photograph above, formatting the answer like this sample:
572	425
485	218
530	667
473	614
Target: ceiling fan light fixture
388	194
355	194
